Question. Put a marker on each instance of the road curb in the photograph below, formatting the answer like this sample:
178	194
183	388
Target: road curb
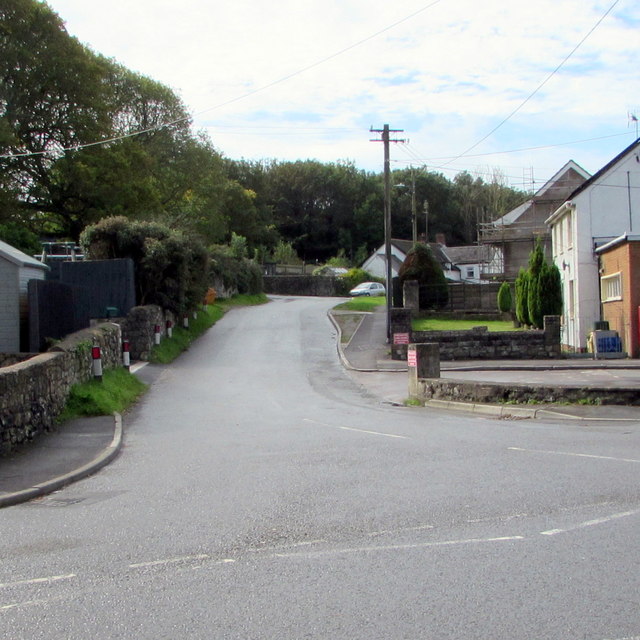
44	488
340	348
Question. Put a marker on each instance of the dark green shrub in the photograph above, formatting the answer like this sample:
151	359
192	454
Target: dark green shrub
170	268
237	274
536	262
522	286
421	265
505	300
549	291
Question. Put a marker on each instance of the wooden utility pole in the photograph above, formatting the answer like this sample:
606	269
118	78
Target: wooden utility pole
414	213
385	139
426	221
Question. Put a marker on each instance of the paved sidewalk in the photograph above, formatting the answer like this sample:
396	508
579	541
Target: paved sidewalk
368	358
76	450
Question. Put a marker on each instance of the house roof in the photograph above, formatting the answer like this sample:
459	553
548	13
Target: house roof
625	237
469	254
404	245
513	215
19	258
439	251
598	174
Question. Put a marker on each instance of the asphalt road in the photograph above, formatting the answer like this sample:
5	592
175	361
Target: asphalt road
264	493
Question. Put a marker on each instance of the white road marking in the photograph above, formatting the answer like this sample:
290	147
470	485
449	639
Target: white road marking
49	579
156	563
373	433
575	455
396	547
28	603
422	527
591	523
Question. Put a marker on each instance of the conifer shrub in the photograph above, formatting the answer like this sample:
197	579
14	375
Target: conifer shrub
421	265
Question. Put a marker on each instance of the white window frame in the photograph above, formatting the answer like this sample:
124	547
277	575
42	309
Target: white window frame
611	287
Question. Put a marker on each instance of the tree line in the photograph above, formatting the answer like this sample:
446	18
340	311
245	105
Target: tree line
83	138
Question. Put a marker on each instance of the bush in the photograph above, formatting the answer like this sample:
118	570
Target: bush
351	279
237	274
550	291
505	301
522	286
421	265
170	268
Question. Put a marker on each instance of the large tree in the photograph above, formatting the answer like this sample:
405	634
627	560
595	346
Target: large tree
83	137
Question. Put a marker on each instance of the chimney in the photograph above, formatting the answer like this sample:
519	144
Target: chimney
440	239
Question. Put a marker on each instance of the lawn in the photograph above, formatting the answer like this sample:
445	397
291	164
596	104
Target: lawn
456	324
362	303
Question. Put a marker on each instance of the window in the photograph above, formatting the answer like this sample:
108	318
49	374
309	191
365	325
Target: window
569	232
471	272
558	230
572	299
611	287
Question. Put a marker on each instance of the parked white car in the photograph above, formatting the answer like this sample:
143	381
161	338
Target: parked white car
368	289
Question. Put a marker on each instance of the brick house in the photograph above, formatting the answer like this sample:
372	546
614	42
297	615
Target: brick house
620	289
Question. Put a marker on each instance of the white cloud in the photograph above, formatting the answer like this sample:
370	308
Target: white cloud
448	75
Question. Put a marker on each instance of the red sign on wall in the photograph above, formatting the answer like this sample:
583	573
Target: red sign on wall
400	338
412	358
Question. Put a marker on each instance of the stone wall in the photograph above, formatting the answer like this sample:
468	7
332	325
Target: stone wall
33	392
301	285
139	329
515	393
7	359
480	344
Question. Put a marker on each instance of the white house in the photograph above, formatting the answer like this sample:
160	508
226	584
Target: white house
468	261
604	207
375	264
16	269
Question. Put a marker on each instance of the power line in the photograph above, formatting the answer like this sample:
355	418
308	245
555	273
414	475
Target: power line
536	148
237	98
533	93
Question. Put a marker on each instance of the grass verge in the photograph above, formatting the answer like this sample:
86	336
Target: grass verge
362	303
456	324
117	391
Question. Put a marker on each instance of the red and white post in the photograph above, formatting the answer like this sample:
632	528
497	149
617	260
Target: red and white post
169	326
156	334
126	355
96	357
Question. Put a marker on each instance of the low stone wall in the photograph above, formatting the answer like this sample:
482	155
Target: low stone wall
464	391
301	285
139	329
7	359
480	344
34	392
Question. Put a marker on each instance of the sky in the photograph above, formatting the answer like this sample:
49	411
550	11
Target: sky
514	89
